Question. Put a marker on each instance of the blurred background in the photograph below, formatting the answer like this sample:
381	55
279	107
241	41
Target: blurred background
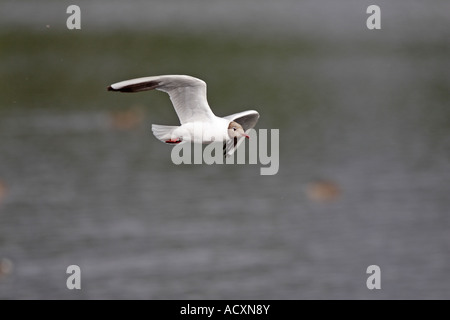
364	175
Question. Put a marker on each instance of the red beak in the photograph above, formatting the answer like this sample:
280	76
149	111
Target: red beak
247	136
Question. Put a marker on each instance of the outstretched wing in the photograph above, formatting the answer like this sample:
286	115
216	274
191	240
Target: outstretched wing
247	119
188	94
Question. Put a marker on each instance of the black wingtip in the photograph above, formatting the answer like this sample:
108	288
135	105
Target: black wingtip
136	87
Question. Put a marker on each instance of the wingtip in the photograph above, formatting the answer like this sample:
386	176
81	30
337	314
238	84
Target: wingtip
134	85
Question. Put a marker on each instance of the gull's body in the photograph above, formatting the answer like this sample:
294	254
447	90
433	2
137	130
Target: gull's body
198	123
197	131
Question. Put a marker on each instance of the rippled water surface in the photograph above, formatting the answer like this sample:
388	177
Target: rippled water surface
364	153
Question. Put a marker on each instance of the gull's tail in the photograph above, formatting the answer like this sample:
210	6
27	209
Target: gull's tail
164	133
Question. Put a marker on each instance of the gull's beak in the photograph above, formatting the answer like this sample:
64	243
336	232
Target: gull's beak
247	136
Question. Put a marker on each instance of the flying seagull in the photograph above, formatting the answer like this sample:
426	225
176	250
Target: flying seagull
198	123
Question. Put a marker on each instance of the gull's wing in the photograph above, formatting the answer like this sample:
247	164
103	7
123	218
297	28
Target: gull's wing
188	94
247	119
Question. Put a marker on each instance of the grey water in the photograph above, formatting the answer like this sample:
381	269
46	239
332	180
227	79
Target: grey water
368	113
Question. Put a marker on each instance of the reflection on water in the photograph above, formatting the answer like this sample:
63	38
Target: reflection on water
362	124
6	267
2	191
323	191
128	119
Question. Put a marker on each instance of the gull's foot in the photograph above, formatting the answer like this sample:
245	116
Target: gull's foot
174	141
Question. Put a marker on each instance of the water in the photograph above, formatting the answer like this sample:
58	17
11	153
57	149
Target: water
368	114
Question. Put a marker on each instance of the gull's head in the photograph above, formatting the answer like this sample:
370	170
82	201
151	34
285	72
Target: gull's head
235	130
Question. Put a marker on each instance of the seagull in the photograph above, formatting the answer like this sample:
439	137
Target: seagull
198	123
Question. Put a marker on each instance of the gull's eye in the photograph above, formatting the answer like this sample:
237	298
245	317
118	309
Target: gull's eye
234	128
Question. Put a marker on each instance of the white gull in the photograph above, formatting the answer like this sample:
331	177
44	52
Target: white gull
198	123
